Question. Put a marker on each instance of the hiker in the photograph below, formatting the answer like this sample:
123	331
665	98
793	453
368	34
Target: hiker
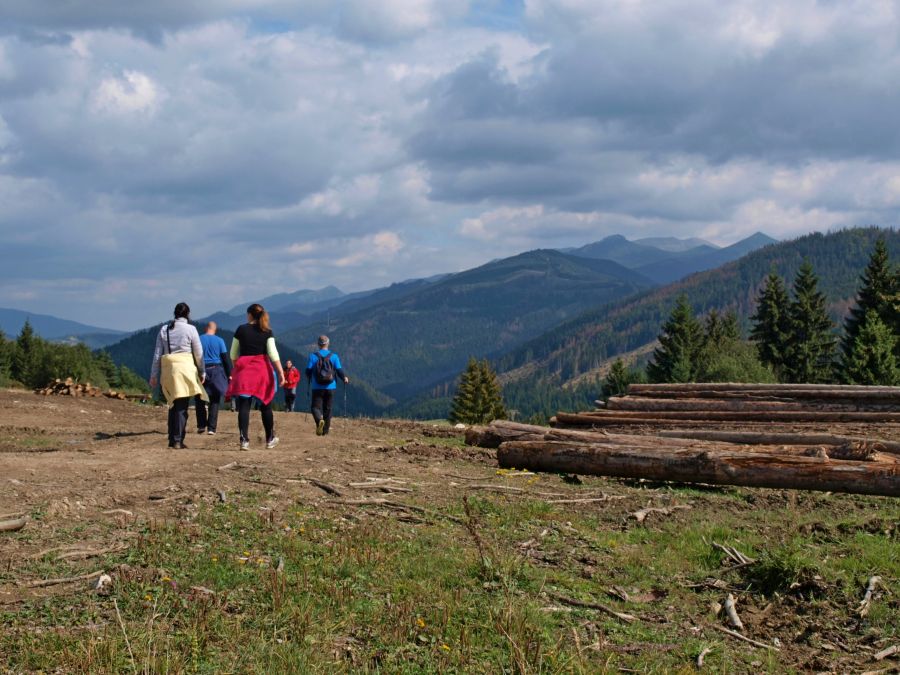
322	372
291	380
178	367
218	369
254	355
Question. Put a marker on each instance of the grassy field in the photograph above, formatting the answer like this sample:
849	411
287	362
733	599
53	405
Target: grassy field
480	584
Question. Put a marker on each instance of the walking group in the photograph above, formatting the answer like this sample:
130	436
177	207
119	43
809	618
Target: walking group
188	365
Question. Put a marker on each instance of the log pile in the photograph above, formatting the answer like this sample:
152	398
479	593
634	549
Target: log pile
69	387
844	465
698	405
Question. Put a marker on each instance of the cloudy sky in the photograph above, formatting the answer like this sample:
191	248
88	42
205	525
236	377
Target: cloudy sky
218	151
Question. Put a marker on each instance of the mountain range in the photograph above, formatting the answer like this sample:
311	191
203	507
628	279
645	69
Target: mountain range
405	343
58	330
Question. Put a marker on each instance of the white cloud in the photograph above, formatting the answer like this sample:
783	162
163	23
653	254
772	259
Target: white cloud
132	92
358	143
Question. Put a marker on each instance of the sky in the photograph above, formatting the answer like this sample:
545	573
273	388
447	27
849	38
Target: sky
218	151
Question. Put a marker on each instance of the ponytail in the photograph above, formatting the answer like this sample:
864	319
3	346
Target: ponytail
261	316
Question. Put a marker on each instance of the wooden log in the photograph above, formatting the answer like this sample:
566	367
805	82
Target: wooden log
704	466
764	438
783	391
642	403
738	416
637	389
500	432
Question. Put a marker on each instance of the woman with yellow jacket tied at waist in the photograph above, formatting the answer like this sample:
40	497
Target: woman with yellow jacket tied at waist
178	367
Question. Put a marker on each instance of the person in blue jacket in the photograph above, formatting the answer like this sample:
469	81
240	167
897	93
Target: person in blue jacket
322	372
218	369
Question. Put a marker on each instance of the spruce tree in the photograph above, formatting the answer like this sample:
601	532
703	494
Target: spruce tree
6	348
878	292
809	352
26	357
478	398
771	322
491	394
680	343
871	359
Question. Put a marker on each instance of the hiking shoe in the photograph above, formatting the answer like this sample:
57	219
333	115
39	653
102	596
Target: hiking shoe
201	430
211	433
320	428
180	446
272	443
245	445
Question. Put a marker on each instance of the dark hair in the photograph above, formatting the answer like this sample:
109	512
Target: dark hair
182	311
261	316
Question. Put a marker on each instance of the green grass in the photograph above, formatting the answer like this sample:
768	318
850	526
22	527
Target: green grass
363	592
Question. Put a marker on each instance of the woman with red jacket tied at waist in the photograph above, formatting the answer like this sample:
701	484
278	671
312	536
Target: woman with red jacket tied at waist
254	354
291	380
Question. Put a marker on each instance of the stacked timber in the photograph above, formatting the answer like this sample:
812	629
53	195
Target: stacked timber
799	461
69	387
676	405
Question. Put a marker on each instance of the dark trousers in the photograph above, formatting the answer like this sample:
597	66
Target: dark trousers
207	414
290	395
265	411
321	406
216	385
178	419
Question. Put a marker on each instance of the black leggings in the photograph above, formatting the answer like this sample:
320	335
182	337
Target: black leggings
265	411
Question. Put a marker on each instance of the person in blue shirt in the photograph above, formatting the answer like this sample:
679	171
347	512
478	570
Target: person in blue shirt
218	370
322	372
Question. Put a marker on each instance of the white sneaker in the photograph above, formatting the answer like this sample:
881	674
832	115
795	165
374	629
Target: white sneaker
271	444
245	445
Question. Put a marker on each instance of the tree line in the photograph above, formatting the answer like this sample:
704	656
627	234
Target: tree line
31	361
792	339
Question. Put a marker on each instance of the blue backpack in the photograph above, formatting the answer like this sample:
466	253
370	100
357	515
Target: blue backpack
324	371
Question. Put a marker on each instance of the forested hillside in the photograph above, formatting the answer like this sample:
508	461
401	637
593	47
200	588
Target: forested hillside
536	372
407	343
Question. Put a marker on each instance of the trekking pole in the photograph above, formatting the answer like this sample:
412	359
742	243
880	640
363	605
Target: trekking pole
345	400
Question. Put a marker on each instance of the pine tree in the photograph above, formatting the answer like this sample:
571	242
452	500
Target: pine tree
107	366
809	352
871	358
771	323
877	293
618	378
6	348
478	398
676	358
26	357
492	394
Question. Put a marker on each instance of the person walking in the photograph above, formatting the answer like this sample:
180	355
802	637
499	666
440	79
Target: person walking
178	367
218	370
323	370
291	380
254	355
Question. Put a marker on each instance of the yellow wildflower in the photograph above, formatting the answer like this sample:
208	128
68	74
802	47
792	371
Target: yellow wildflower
420	622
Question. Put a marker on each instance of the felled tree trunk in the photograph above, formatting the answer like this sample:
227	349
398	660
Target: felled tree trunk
719	467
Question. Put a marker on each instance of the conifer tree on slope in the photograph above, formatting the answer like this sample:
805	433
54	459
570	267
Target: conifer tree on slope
809	352
478	398
871	359
771	322
492	394
680	343
878	289
26	357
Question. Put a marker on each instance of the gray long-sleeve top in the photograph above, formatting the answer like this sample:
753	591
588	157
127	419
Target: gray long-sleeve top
183	337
